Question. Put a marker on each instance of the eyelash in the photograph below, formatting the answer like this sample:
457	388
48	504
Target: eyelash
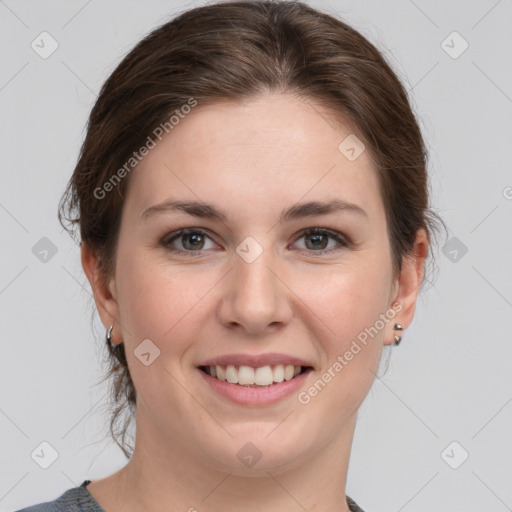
343	243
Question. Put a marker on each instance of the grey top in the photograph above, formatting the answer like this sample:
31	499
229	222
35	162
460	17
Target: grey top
79	499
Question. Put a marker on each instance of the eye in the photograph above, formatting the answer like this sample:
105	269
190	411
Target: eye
317	240
191	240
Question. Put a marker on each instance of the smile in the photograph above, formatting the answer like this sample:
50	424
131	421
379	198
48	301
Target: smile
254	386
254	377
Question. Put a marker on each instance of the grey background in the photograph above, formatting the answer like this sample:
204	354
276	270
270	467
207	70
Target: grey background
450	379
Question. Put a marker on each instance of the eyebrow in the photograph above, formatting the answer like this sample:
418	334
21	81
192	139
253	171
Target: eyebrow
297	211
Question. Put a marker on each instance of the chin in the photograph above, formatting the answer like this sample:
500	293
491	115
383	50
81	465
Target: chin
256	451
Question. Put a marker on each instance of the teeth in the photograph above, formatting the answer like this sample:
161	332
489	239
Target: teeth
245	375
279	373
263	376
288	372
231	374
249	376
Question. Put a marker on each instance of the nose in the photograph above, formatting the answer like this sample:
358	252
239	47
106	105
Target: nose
255	296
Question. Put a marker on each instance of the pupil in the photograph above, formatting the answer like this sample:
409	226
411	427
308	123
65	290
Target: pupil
196	237
318	239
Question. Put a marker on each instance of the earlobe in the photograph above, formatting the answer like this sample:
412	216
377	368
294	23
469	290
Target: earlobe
104	299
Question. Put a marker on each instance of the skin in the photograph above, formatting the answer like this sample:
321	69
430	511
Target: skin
252	160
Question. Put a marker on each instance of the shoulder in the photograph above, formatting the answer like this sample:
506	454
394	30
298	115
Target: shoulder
77	499
353	506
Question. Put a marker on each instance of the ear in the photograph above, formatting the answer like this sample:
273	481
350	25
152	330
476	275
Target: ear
407	287
106	301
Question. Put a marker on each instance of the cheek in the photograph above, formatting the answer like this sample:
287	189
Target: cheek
350	304
348	299
162	302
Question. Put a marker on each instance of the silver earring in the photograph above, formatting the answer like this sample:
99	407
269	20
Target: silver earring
109	334
398	327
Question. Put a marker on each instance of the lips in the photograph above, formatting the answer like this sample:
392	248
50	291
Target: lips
254	395
254	370
255	380
255	361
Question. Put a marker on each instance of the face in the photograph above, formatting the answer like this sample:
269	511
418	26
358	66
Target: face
257	283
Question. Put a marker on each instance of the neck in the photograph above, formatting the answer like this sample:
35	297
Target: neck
158	478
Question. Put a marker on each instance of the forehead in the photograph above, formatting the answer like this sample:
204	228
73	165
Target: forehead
271	149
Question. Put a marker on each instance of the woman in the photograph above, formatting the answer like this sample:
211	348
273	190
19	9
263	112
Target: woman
253	208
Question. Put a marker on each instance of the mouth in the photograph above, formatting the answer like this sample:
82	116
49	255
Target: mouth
255	377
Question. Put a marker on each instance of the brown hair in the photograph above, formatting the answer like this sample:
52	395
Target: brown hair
230	51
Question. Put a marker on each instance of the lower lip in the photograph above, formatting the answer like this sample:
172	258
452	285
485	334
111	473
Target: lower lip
256	396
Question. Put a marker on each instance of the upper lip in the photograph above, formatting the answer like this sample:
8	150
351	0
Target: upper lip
256	361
